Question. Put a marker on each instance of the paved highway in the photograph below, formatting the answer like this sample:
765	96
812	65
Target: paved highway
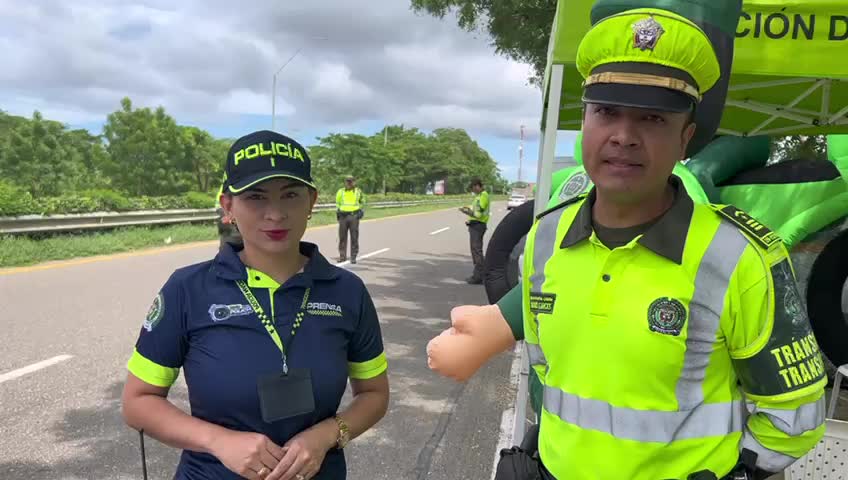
69	328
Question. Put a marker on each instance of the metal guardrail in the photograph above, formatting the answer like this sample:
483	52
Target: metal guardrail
28	224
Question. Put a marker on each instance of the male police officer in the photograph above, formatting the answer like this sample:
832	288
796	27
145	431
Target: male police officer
651	321
477	222
349	202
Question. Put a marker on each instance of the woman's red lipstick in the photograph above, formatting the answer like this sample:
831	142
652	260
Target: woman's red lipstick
276	235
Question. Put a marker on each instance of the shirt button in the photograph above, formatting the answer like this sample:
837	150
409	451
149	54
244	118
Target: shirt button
606	278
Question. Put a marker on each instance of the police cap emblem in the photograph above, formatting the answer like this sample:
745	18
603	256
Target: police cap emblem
666	316
646	33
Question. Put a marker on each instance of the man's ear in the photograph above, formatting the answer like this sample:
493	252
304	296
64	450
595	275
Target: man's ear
686	137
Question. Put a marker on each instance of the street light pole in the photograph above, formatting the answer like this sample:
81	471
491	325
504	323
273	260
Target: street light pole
274	86
274	90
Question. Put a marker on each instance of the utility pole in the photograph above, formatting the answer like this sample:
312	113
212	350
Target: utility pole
385	144
274	90
274	86
520	153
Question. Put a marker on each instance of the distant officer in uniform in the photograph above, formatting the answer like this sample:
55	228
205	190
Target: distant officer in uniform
669	336
478	219
349	211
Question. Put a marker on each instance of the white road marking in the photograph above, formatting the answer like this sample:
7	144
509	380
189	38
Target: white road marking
33	368
367	255
508	416
440	231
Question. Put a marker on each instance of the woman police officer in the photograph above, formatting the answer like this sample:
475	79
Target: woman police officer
267	335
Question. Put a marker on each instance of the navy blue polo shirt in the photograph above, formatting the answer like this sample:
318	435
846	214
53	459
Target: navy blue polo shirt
201	322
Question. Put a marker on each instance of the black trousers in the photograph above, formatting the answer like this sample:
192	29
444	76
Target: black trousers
523	463
348	222
476	231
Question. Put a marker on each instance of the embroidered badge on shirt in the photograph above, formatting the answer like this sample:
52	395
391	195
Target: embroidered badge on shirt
646	34
155	313
219	313
666	316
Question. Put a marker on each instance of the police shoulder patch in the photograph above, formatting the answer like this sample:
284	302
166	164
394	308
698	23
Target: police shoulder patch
155	313
574	186
750	226
562	205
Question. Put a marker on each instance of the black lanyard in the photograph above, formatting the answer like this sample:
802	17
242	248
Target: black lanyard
269	324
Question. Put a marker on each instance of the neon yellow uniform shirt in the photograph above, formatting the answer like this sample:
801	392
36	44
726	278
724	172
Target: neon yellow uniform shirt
641	349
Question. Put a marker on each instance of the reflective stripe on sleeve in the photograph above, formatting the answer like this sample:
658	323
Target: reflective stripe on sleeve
796	421
151	372
368	369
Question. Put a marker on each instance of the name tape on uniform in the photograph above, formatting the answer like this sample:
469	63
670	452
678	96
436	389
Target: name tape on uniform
542	302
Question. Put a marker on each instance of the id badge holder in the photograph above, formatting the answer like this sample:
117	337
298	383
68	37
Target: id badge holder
284	396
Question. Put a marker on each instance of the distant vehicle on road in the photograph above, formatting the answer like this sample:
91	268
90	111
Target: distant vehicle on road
515	200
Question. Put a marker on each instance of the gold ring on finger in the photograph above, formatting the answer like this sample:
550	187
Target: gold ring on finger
263	472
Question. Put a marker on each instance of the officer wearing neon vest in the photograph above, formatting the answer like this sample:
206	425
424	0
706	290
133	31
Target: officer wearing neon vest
477	222
268	334
349	203
651	319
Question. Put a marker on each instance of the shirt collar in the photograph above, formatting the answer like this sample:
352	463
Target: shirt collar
228	266
666	237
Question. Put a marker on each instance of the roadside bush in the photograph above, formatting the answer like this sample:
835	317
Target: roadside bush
15	201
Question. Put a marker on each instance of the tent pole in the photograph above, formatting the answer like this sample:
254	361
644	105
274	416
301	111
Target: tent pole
548	139
825	109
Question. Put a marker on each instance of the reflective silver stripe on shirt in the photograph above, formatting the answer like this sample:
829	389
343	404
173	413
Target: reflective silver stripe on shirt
709	419
693	418
766	459
711	283
544	243
537	357
796	421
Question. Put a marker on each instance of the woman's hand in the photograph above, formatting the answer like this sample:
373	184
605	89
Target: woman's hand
305	452
251	455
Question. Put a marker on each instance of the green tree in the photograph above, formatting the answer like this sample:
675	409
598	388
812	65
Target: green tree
36	154
203	157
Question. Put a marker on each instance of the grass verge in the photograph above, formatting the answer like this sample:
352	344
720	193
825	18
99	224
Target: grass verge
18	251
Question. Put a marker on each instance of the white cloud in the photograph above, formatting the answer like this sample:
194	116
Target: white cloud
206	59
243	101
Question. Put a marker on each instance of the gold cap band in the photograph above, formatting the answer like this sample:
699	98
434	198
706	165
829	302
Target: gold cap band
643	79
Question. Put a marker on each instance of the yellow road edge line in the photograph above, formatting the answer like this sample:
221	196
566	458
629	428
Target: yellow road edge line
155	250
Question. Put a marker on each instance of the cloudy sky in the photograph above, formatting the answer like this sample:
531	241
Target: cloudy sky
359	65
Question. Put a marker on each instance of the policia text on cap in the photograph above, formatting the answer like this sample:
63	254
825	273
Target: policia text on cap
268	334
651	320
